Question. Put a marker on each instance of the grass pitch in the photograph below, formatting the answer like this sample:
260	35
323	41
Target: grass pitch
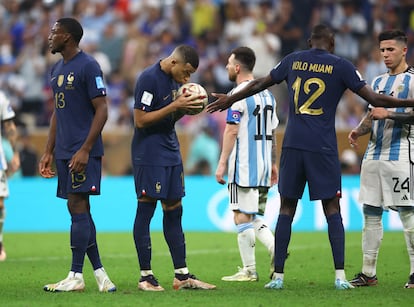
35	259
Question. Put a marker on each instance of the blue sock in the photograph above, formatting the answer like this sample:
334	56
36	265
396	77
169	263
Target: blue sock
174	236
337	239
92	251
79	238
142	238
282	238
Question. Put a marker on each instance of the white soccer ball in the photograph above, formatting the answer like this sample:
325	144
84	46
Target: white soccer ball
196	89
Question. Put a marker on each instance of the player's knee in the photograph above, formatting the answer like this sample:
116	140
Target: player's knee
372	211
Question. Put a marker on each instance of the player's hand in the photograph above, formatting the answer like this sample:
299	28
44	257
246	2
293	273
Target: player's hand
189	101
378	113
79	161
221	168
45	166
220	104
352	139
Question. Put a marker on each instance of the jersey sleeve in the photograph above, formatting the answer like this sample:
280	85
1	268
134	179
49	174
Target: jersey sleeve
6	110
145	90
94	80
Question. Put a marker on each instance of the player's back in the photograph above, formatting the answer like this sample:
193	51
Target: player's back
316	80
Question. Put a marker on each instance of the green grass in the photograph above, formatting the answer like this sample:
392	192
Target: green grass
35	259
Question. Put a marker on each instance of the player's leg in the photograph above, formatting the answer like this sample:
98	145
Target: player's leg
244	204
2	218
172	181
292	182
407	220
4	193
261	229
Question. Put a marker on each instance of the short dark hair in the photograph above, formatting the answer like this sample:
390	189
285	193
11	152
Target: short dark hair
189	55
72	26
245	56
322	31
397	35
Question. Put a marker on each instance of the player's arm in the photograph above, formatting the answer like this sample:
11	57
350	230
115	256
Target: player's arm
229	139
80	158
10	132
380	100
224	102
46	160
178	108
400	117
364	127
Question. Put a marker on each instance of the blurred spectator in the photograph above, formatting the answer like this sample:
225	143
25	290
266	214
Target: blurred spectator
28	155
350	162
350	27
204	150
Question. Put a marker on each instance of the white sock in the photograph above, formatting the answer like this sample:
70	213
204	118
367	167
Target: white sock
247	240
146	273
371	241
264	234
407	219
181	271
340	274
2	218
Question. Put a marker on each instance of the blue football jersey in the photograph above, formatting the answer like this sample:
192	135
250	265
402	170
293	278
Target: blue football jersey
316	80
74	85
157	144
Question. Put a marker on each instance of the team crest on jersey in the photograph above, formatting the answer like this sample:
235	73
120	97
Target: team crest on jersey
400	88
69	81
60	80
158	187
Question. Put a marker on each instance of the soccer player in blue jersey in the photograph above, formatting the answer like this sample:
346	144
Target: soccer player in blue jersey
157	162
75	143
316	80
249	154
385	169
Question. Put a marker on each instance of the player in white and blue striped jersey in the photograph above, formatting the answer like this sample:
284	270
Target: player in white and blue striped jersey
385	170
249	154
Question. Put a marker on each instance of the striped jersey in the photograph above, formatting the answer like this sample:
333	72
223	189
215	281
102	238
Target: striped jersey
389	139
6	112
250	162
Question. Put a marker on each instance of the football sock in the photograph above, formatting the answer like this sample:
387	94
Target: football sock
372	234
407	219
246	240
181	273
283	233
145	273
174	236
79	238
264	234
142	238
2	218
92	251
340	274
336	235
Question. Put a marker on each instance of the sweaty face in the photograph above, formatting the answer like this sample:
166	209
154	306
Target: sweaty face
393	53
57	38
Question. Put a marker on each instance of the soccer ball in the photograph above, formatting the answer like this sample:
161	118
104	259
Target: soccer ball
197	89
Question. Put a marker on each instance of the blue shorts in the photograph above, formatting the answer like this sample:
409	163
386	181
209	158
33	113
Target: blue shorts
87	182
321	172
159	182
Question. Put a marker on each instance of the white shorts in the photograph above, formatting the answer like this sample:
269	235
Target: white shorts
4	187
385	183
245	200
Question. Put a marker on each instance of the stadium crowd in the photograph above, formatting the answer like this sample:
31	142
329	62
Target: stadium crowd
125	36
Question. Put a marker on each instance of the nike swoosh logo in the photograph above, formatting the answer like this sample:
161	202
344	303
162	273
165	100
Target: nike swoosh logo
165	98
75	186
52	79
